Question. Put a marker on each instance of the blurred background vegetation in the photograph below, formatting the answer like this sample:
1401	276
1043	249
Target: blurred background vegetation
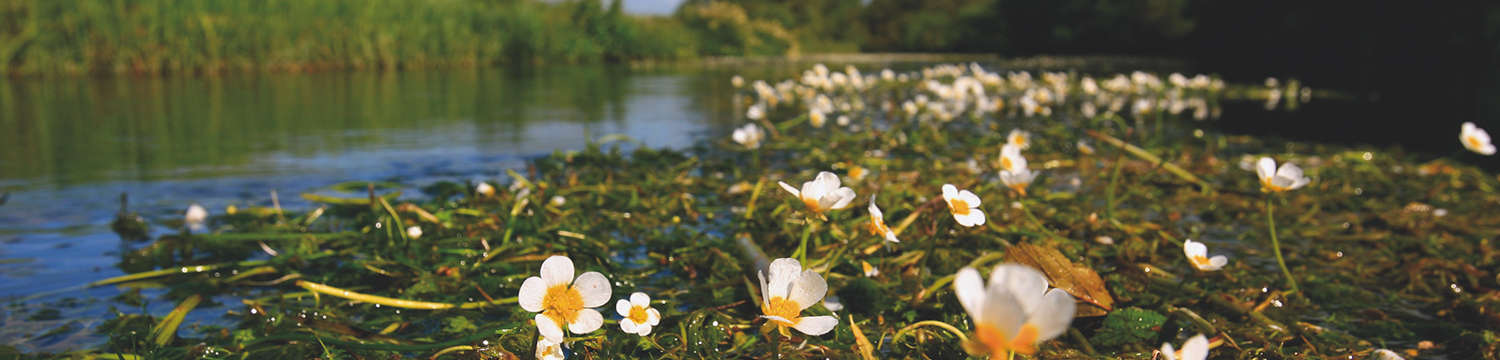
1420	60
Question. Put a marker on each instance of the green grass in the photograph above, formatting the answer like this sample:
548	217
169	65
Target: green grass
185	36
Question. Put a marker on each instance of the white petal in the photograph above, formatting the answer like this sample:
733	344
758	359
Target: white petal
1196	348
782	272
653	317
790	189
594	288
533	291
1488	149
640	299
740	136
841	198
765	289
1194	248
970	198
777	319
816	325
969	288
1053	315
1026	284
1266	168
809	289
1289	171
827	181
875	211
642	329
1218	262
1167	352
974	218
549	329
587	321
628	325
949	192
557	270
1001	311
623	307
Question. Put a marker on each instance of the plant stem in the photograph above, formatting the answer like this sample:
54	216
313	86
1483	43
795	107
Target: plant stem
801	254
1276	246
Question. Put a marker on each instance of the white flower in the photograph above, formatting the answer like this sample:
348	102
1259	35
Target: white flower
1196	348
822	193
843	120
639	316
1288	177
1384	354
909	107
559	299
870	270
1010	157
877	223
1476	139
755	112
558	200
1014	312
749	136
964	205
817	117
1019	138
547	350
1018	179
1085	148
484	189
1197	253
737	81
414	232
833	303
790	290
194	217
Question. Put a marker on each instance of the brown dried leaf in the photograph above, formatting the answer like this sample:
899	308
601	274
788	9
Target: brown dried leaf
1080	281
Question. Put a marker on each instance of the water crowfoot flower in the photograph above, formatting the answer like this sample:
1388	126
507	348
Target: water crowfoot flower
823	193
639	316
195	217
964	205
1196	348
484	189
1476	139
1197	253
877	223
1272	179
1018	179
414	232
559	299
1019	138
547	350
790	290
749	136
1385	354
1014	312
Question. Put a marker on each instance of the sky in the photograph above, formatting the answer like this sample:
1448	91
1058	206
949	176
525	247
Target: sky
651	7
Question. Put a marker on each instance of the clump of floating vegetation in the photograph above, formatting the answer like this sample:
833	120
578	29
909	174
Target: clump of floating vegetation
938	214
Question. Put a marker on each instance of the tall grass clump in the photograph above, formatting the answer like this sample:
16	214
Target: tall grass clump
183	36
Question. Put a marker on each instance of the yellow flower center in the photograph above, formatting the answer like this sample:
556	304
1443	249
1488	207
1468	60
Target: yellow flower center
877	226
857	172
784	308
1005	162
812	204
1473	142
1200	260
1020	188
959	207
990	340
638	314
562	303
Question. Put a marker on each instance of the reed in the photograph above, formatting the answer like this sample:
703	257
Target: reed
152	37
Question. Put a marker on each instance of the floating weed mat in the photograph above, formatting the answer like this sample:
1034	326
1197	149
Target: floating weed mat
1388	250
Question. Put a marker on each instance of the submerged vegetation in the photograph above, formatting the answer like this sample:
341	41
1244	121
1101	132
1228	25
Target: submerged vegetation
1112	226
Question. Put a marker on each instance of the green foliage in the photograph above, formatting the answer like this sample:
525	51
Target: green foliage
1129	326
725	29
180	36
